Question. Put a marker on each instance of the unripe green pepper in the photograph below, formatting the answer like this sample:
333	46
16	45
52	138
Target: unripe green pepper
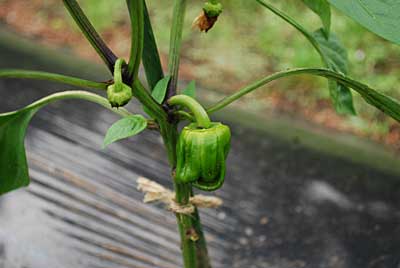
118	94
201	155
202	148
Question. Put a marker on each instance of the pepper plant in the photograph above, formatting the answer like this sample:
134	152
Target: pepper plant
198	152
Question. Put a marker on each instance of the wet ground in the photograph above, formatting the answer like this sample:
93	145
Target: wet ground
285	205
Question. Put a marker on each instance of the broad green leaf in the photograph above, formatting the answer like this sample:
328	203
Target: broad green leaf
160	89
323	10
190	90
13	164
379	16
335	58
126	127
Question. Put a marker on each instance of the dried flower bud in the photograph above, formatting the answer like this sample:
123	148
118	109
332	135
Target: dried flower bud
204	22
207	18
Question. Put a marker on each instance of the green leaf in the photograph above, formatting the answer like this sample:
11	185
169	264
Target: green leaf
124	128
160	89
333	53
190	90
379	16
323	10
335	58
386	104
14	167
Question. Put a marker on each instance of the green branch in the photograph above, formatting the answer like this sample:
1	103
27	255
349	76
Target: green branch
72	94
184	115
178	18
198	111
384	103
90	33
136	13
151	58
37	75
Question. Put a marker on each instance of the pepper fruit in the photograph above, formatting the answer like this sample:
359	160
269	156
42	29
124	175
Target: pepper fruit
202	148
201	155
118	94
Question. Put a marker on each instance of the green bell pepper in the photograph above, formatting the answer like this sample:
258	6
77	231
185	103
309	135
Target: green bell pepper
201	155
202	148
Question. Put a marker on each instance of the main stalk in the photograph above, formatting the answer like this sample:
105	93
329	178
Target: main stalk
193	244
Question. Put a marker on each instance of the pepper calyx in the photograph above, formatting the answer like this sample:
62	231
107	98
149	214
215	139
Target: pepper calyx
119	94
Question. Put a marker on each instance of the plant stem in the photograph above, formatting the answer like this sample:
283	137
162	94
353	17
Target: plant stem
136	12
193	243
147	100
73	94
175	45
183	193
37	75
184	115
384	103
118	71
150	58
198	111
194	248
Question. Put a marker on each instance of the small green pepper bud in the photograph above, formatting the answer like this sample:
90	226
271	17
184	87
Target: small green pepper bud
201	155
118	94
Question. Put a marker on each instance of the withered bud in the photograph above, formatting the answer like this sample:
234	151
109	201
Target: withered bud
204	22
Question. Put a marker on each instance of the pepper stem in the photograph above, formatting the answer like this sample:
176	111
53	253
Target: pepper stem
198	111
118	75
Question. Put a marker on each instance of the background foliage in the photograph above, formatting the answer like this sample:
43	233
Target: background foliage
249	42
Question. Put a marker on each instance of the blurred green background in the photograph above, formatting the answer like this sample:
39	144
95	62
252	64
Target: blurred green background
249	42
